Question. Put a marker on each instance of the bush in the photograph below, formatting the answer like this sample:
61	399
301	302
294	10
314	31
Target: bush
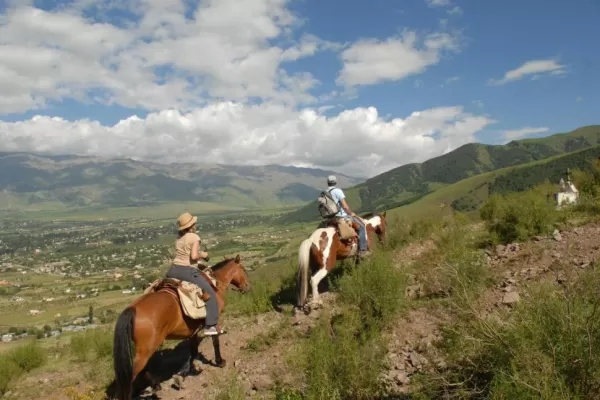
8	371
518	216
454	267
28	356
375	288
548	349
97	342
21	359
343	360
401	232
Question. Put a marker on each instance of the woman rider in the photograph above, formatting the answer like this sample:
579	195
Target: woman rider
187	253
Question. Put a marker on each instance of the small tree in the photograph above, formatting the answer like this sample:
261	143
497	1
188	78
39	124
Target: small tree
91	314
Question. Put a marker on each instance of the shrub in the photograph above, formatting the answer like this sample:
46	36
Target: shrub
257	301
518	216
21	359
454	267
549	348
8	371
375	288
98	342
343	360
401	231
28	356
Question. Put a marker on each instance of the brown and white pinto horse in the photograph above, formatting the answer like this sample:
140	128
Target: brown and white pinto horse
156	316
321	251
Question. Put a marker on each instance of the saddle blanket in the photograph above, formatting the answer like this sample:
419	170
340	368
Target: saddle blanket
190	295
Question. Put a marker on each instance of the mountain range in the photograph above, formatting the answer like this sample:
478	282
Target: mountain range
75	181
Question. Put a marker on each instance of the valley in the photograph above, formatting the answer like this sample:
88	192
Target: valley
419	320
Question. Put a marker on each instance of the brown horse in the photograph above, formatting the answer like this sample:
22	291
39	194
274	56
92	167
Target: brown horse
157	316
321	251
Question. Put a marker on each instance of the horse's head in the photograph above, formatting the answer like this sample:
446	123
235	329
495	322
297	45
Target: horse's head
230	271
379	225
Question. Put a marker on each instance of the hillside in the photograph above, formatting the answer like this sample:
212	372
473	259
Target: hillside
406	184
469	194
48	181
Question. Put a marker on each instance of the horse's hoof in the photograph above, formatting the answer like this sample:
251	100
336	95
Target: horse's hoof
196	367
178	382
221	364
315	305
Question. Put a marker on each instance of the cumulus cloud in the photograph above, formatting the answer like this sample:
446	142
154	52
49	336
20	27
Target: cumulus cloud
520	133
357	141
371	61
534	68
214	77
438	3
162	55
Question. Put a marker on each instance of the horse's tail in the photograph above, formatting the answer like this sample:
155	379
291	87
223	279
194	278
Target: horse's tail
303	272
122	354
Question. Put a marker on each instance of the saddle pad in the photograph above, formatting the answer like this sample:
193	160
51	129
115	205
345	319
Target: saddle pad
190	296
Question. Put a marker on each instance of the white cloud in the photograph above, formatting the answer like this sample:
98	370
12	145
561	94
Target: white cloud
356	141
159	59
456	10
520	133
450	80
438	3
371	61
534	68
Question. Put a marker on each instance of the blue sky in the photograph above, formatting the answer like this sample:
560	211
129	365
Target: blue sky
354	86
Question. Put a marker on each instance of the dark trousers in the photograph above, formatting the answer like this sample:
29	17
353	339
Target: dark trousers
191	274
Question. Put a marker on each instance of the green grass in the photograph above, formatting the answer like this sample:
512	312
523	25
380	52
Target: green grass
547	348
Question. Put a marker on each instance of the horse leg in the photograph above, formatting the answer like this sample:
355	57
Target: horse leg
189	368
314	282
143	352
217	346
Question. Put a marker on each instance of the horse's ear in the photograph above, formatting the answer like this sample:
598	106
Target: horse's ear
383	214
237	259
224	257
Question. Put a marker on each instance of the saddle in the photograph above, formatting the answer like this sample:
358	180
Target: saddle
191	297
346	229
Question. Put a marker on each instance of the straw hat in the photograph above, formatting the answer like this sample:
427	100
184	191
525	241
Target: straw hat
186	220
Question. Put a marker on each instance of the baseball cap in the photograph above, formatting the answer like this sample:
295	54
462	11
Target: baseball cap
331	178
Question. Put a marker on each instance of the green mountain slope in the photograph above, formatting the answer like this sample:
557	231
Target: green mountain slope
469	194
73	181
409	183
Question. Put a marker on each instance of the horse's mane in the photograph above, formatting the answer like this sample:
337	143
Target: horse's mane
221	264
370	214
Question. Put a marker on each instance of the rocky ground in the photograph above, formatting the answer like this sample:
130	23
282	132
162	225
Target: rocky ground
256	348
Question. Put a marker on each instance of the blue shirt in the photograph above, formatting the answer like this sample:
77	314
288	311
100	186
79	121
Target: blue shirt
338	195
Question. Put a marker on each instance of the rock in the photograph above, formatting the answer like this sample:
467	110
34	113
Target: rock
511	298
556	235
262	382
413	291
402	378
537	238
500	249
237	363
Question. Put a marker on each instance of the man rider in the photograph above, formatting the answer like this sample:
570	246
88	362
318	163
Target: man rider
345	212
